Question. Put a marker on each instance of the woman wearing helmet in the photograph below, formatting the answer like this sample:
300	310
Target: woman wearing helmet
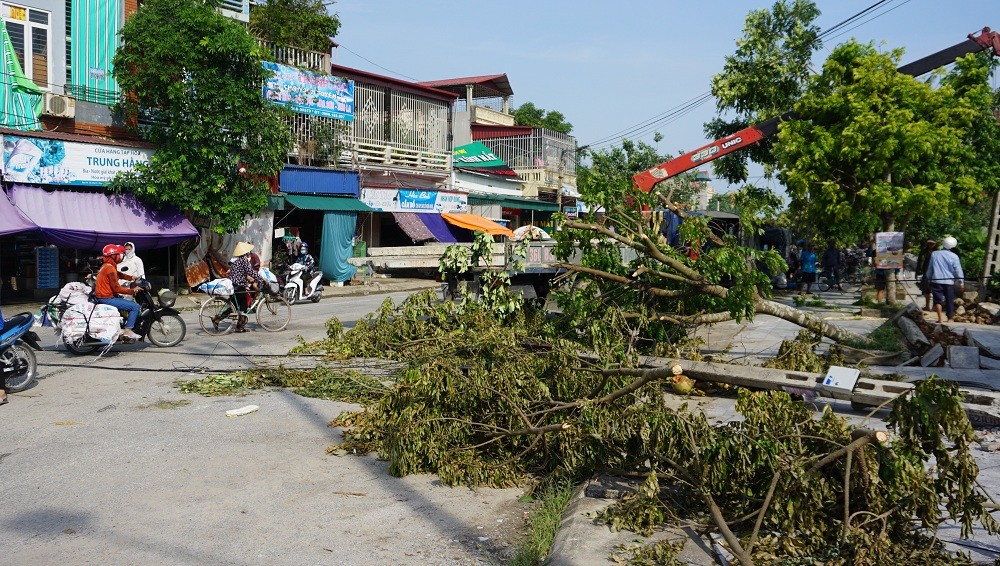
944	272
107	288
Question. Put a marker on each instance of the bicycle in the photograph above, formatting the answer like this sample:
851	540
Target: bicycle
220	315
847	282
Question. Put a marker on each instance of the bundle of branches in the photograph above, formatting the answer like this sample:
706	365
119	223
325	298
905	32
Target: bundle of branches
501	403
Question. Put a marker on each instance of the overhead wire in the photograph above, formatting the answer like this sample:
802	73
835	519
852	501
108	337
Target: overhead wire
677	112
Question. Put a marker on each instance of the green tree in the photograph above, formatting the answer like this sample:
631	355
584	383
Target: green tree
763	79
874	149
528	114
194	81
305	24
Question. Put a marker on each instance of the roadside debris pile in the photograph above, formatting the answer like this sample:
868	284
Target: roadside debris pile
968	310
934	345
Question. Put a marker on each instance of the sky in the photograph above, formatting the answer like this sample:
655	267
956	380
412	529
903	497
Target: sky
615	68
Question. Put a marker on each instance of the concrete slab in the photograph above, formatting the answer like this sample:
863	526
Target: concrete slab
932	356
986	338
963	357
989	363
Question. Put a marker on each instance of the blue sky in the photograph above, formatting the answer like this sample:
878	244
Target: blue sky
612	66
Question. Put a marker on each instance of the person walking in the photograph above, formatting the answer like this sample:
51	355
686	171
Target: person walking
808	259
923	260
944	272
831	262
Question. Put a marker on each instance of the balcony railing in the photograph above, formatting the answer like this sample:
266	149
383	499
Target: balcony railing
314	61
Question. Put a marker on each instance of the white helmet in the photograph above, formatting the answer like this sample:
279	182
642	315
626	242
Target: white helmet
949	242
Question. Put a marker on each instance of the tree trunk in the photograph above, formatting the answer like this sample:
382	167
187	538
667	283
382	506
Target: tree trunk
807	321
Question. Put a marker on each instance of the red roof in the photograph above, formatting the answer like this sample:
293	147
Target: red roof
482	87
397	84
485	132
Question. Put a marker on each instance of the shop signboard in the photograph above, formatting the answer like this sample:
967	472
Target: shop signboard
414	200
310	93
56	162
889	250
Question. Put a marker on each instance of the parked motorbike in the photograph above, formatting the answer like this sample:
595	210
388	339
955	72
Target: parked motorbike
298	289
17	362
158	321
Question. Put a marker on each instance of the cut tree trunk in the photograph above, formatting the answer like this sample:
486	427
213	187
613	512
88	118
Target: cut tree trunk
805	320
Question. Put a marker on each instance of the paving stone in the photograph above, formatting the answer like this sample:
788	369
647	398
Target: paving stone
992	308
988	341
988	363
932	356
963	357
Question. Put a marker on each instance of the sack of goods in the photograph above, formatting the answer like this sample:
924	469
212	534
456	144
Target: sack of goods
218	288
102	322
271	278
73	293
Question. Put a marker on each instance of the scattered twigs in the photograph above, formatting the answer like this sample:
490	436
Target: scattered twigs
558	427
861	437
763	510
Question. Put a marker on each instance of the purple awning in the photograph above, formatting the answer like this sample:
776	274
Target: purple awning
11	219
90	220
438	227
414	228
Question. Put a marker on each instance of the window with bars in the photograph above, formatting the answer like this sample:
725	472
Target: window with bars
29	34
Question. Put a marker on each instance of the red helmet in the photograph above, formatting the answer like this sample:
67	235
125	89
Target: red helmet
111	250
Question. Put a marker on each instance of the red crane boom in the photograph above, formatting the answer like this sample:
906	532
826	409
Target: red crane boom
646	180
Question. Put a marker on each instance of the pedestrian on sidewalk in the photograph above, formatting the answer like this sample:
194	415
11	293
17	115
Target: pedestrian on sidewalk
831	262
923	260
808	259
945	274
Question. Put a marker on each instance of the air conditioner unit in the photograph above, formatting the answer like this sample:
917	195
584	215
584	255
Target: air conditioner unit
60	105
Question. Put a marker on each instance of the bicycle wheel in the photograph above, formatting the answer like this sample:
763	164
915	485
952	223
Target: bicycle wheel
850	284
216	317
274	313
823	284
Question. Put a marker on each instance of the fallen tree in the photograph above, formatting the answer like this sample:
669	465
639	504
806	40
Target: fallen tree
502	401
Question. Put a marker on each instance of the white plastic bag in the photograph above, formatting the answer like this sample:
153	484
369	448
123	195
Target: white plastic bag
218	288
271	278
102	322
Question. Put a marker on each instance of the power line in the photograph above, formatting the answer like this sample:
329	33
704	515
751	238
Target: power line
390	71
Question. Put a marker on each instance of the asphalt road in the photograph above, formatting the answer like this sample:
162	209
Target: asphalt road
103	462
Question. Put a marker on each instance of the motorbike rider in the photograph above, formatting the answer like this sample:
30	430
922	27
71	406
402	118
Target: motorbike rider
308	267
132	264
107	288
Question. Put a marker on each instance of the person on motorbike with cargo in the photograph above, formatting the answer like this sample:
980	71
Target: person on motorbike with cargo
107	288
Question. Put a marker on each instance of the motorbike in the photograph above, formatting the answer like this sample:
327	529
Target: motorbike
158	321
17	362
295	288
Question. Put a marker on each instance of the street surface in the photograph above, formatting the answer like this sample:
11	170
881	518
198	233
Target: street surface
102	462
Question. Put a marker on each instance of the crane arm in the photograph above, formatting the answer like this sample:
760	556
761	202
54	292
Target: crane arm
986	40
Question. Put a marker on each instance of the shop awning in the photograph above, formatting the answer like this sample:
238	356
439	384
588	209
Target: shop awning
87	220
337	204
521	203
11	219
414	228
438	227
476	223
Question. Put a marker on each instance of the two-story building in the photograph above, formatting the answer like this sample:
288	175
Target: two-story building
62	145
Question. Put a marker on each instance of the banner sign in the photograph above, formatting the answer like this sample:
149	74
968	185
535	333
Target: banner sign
889	250
414	200
477	157
56	162
310	93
